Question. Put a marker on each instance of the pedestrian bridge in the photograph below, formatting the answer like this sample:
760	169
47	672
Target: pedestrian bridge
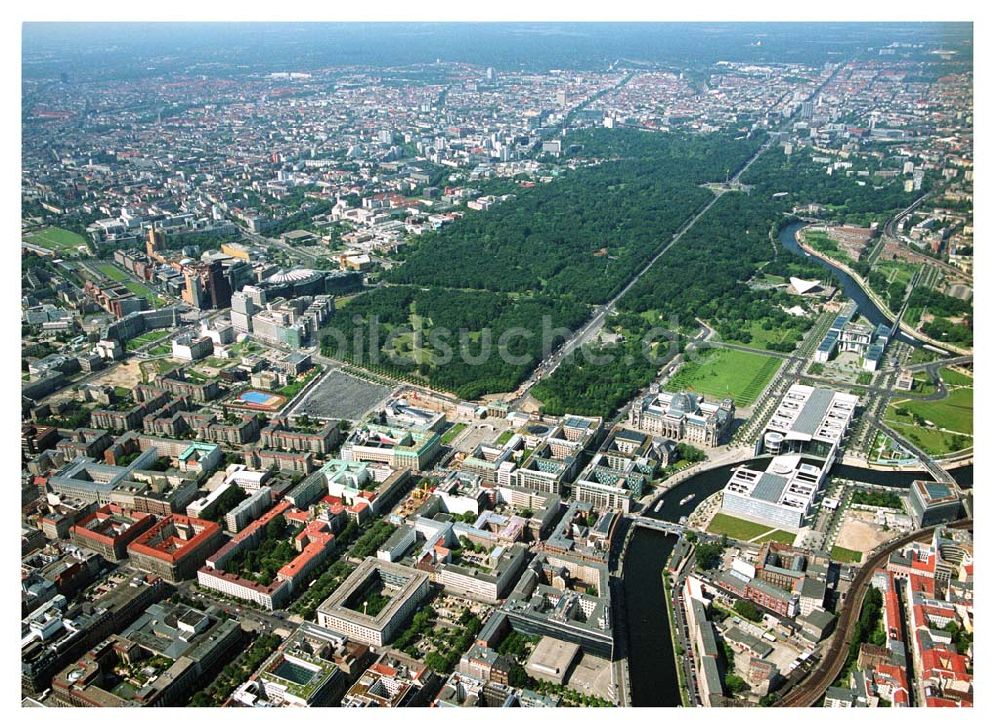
665	527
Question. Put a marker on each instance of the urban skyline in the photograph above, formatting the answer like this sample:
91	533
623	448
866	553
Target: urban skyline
497	364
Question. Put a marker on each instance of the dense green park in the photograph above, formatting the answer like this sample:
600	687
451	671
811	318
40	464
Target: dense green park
577	240
588	231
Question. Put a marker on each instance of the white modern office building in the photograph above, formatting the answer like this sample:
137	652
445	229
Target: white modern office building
781	496
810	420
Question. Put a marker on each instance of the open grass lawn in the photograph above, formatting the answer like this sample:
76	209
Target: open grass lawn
822	242
726	525
111	271
773	279
454	432
727	373
954	412
761	337
55	238
839	553
933	442
951	420
950	376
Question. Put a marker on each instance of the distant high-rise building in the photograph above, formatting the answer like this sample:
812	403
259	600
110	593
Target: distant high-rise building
491	74
245	304
155	240
206	286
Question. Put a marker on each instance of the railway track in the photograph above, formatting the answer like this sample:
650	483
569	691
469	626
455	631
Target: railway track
812	689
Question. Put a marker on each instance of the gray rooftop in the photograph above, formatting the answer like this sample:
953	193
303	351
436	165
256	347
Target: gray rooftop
813	589
813	411
819	618
769	488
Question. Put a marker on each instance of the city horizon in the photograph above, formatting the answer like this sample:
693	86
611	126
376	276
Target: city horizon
497	364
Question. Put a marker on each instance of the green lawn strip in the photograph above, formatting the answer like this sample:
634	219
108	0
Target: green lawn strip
956	378
675	639
839	553
147	338
111	271
776	535
140	290
454	432
953	413
726	525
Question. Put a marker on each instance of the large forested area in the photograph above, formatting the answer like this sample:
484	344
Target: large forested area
546	253
577	240
705	277
801	181
586	232
453	339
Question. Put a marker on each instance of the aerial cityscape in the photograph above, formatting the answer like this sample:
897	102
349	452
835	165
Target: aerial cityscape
496	365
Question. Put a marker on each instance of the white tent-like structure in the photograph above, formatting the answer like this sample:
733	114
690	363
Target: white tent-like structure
802	287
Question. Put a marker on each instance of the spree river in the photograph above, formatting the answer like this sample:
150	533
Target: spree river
652	672
848	285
